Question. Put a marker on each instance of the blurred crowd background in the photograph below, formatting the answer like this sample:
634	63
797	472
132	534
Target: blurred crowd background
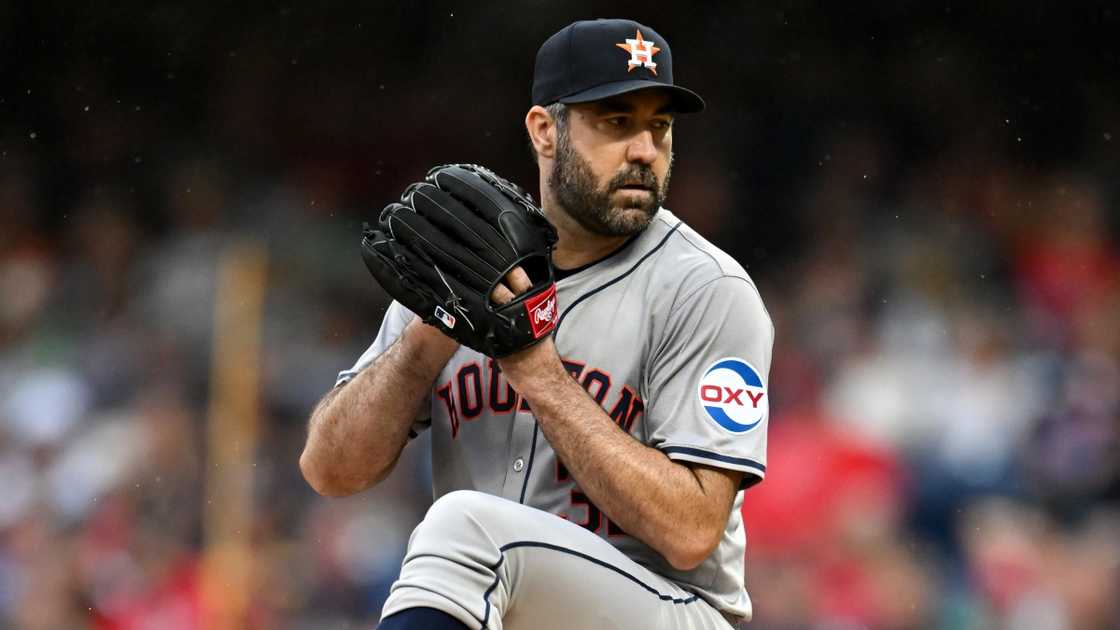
925	193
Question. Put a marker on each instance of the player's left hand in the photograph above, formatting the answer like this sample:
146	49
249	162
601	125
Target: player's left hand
443	249
512	285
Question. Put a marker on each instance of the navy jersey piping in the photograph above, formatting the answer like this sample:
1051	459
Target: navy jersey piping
567	273
740	461
543	545
751	476
537	426
618	278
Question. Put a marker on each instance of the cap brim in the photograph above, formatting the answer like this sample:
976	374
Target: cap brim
685	101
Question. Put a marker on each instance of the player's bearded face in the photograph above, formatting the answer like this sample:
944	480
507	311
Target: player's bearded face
600	209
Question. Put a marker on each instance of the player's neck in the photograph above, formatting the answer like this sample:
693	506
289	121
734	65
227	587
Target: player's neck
576	246
572	257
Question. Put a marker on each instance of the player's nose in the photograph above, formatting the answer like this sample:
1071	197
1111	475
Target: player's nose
641	148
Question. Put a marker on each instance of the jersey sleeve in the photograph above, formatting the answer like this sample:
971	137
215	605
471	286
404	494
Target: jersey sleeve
708	400
396	318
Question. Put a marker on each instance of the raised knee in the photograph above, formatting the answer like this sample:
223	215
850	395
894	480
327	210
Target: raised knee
455	506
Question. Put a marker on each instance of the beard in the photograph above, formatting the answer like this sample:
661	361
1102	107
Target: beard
576	190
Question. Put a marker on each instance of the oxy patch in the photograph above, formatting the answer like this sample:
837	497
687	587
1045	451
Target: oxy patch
733	394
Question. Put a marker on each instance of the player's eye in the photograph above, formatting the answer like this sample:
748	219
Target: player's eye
662	124
617	122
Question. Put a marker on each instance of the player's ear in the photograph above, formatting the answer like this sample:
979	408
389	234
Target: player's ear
542	131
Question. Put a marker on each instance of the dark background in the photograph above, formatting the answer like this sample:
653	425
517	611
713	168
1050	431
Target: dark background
925	194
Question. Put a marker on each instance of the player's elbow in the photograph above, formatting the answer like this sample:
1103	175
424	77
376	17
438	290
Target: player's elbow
328	480
319	480
690	551
684	559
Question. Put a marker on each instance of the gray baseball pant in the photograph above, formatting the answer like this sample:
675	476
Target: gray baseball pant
493	563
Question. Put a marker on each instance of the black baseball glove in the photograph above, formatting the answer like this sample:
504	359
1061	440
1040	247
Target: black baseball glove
450	241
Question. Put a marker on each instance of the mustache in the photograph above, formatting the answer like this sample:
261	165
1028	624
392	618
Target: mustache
635	175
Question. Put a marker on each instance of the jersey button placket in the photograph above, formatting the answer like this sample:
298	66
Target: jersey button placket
519	448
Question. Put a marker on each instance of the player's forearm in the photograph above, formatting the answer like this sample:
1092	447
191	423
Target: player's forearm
652	498
357	432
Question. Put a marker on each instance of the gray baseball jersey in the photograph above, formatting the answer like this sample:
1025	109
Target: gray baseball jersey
670	336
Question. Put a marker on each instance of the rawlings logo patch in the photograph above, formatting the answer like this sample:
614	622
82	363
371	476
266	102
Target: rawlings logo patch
542	312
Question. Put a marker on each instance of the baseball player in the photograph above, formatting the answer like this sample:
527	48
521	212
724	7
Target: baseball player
592	437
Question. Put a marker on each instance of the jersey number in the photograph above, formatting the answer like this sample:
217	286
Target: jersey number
596	520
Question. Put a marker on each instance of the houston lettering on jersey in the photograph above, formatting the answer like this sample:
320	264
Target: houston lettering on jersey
476	390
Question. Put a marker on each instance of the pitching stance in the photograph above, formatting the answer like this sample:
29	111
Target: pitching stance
593	372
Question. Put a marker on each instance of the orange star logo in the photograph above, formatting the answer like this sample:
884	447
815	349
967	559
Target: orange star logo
641	53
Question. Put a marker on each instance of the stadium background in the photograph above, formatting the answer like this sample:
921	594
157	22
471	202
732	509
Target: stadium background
925	194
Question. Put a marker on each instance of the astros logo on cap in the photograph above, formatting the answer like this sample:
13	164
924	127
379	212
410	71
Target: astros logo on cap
732	393
641	53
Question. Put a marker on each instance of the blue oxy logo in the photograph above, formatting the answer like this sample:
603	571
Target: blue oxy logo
732	393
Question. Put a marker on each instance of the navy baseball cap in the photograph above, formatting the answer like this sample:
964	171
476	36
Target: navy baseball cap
595	59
